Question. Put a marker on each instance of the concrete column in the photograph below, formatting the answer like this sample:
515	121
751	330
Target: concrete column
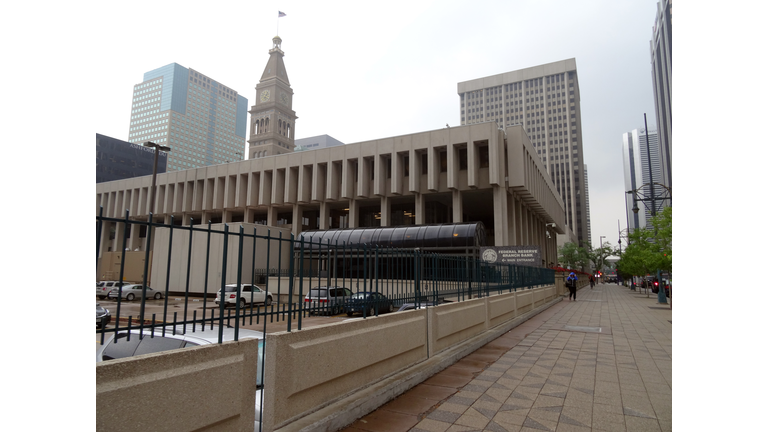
458	206
419	209
386	210
500	218
298	213
272	216
363	177
354	217
325	213
397	174
348	179
414	176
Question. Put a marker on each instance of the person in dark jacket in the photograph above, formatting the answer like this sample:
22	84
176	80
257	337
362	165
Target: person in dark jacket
591	281
570	282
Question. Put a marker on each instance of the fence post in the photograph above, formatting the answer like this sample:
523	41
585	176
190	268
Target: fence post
223	300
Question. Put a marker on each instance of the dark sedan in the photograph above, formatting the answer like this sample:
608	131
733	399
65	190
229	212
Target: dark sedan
369	304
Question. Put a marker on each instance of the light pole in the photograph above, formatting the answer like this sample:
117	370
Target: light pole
600	270
158	148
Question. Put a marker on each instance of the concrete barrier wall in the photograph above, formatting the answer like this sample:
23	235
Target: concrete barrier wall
305	370
312	368
209	387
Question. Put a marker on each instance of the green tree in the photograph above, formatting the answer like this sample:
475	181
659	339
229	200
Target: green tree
650	248
571	255
598	256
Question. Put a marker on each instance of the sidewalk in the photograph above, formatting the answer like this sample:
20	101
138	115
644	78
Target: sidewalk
602	363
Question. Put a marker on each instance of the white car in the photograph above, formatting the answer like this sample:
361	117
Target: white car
248	294
103	288
132	291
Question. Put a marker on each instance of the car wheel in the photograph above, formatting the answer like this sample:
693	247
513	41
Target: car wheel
391	308
372	312
158	296
335	310
349	313
130	297
102	297
268	301
242	303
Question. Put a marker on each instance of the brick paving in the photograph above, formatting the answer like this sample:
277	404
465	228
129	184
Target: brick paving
601	363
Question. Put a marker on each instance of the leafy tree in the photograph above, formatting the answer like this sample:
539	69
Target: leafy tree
650	248
572	256
598	256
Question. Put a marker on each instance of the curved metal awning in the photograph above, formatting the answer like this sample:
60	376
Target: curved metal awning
458	235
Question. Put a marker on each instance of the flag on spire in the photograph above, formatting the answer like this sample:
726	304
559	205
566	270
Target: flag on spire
280	14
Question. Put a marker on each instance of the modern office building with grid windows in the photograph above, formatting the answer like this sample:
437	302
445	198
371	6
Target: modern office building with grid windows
545	100
201	120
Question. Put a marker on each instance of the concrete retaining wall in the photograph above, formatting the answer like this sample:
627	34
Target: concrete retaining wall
314	378
209	387
316	367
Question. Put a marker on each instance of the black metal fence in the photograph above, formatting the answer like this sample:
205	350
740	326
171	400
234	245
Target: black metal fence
401	276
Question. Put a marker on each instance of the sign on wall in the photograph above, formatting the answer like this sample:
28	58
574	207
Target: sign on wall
521	255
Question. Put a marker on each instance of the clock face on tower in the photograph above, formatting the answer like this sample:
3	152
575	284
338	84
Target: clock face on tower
284	98
265	95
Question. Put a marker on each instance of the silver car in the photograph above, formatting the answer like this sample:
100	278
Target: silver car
132	291
330	300
103	317
103	288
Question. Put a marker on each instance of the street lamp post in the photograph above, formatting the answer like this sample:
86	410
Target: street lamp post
158	148
600	270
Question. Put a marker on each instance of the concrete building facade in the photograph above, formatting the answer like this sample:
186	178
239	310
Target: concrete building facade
459	174
661	71
200	119
545	101
316	142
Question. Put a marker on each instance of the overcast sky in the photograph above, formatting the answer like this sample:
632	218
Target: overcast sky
360	72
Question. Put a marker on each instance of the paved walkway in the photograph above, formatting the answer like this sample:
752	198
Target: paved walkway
602	363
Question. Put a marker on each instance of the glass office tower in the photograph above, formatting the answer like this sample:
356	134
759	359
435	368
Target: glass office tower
201	120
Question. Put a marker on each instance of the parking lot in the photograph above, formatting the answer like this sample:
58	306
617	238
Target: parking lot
194	310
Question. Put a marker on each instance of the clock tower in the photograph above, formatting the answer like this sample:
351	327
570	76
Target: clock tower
273	120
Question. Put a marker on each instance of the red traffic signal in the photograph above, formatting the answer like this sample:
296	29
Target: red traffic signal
656	283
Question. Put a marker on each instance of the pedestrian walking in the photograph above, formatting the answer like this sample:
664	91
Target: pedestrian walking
570	282
591	281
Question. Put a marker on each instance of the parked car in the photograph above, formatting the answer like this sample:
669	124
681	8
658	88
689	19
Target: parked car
148	344
331	300
412	306
103	317
248	294
103	288
368	303
132	291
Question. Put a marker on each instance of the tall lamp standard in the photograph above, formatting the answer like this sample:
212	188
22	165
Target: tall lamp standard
158	148
600	270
